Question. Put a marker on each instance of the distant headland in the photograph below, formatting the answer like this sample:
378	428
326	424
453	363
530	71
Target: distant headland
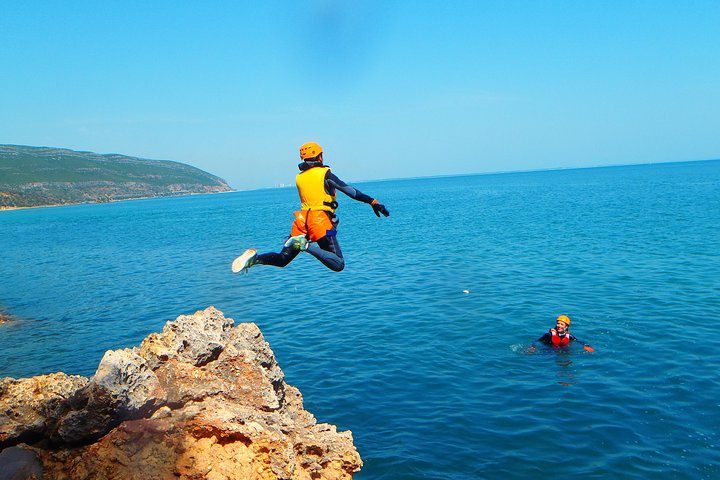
45	176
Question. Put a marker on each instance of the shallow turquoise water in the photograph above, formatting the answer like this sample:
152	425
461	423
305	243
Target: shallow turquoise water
433	382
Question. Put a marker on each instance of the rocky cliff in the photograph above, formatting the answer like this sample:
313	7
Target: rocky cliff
204	399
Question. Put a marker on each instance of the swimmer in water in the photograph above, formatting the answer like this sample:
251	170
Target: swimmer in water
560	336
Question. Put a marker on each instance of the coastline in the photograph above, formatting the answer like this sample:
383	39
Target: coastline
3	208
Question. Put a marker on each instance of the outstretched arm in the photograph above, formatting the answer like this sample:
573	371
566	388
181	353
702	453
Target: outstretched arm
586	346
332	183
546	339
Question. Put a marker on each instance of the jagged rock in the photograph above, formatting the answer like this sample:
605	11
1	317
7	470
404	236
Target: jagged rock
129	381
123	387
28	406
202	399
194	339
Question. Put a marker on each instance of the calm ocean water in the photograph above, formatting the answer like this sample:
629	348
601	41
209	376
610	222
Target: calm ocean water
434	383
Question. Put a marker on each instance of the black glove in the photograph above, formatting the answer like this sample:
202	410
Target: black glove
379	208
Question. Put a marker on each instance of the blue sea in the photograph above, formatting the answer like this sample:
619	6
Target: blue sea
420	346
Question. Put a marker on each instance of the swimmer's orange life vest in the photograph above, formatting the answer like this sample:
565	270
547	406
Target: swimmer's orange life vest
311	188
557	340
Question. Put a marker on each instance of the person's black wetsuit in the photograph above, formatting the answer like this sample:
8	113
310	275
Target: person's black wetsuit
327	248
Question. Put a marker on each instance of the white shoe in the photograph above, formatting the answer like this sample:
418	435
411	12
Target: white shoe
298	242
245	261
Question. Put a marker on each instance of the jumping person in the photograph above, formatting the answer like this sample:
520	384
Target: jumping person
560	336
315	227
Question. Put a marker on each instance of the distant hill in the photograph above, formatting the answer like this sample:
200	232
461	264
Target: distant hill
36	176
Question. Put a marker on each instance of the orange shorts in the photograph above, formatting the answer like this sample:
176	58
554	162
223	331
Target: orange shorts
314	224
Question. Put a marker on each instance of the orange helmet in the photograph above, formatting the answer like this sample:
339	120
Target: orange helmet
565	319
310	150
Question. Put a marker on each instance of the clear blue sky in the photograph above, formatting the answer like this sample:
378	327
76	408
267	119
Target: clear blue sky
390	89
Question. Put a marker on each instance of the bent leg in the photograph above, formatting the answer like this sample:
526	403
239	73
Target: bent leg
286	255
327	250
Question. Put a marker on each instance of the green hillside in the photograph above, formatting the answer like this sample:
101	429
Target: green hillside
34	176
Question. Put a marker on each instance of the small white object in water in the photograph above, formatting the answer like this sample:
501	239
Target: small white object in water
466	291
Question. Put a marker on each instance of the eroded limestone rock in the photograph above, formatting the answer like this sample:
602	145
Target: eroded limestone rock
202	399
30	406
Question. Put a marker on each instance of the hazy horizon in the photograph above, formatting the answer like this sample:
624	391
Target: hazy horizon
382	179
